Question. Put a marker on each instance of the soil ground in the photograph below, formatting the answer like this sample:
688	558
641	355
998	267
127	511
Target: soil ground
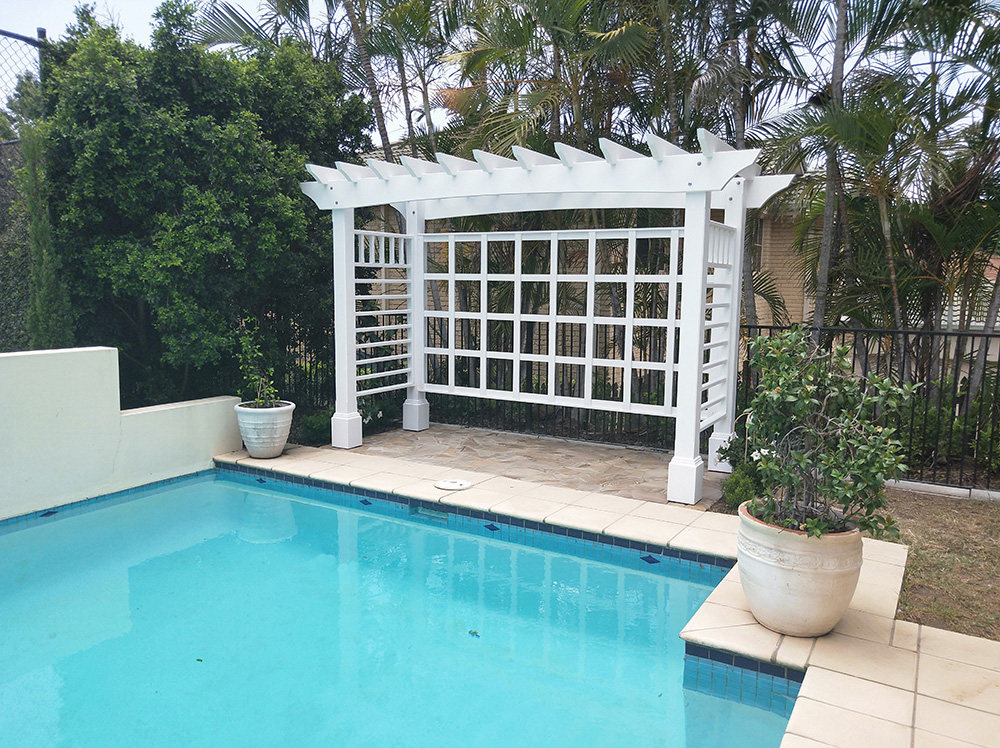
953	571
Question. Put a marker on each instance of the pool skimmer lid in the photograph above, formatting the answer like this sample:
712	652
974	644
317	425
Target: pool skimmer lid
452	484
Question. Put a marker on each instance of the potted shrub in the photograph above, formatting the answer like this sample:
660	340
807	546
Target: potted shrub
263	418
818	437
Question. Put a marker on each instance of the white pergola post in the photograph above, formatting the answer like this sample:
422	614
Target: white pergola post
686	466
345	425
722	432
416	410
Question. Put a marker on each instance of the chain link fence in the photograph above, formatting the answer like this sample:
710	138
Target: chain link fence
19	57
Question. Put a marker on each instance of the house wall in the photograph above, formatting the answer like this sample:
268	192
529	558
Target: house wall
64	437
779	259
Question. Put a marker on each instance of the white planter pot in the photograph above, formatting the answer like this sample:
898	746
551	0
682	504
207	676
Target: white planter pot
265	430
797	584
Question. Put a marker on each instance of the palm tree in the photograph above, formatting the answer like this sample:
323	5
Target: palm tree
221	23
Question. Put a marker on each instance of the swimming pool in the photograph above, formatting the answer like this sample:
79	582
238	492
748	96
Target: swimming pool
220	612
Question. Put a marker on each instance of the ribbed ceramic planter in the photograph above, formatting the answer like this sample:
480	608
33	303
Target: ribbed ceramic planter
797	584
265	430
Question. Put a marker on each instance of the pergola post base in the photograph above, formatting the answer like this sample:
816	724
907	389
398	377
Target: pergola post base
715	443
345	430
684	479
416	414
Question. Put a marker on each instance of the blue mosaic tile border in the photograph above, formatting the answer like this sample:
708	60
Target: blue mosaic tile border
701	568
734	677
42	516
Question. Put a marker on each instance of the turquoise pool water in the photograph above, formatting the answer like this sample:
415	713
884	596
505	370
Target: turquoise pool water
216	614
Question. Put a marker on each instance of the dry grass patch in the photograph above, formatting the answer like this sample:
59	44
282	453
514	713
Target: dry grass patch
953	571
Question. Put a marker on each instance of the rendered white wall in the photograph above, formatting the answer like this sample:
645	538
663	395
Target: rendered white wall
64	437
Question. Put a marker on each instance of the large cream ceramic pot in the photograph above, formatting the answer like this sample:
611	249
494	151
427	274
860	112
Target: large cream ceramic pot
797	584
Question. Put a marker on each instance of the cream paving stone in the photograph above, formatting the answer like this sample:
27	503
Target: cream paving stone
474	498
924	739
953	646
557	493
751	640
794	651
700	540
644	530
334	456
957	722
381	481
297	450
906	635
845	728
472	476
424	490
417	470
864	696
524	507
867	626
721	522
881	573
303	467
231	457
881	550
270	463
868	660
797	741
959	683
713	615
582	518
680	515
375	464
511	487
341	474
877	599
729	594
609	503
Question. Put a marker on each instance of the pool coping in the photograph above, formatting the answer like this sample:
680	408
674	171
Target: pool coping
874	680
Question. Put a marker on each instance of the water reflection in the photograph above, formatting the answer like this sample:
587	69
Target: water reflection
264	519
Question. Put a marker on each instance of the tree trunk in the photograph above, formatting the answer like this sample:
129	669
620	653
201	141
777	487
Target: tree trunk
555	123
366	63
832	186
401	67
979	365
427	111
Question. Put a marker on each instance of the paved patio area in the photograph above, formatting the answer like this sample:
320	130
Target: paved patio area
874	681
621	471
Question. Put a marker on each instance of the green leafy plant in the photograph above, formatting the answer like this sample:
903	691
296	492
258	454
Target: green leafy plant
258	379
820	438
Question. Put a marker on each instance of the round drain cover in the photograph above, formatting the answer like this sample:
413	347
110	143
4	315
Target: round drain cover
450	484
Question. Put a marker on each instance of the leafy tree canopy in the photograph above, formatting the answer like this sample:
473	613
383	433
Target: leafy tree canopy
174	193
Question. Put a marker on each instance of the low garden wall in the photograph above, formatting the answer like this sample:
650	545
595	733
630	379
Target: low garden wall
64	437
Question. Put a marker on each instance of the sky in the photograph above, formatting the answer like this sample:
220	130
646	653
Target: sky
134	16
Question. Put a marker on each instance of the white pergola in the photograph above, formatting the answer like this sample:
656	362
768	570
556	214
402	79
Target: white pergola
408	311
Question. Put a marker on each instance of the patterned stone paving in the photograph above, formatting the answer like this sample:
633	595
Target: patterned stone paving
620	471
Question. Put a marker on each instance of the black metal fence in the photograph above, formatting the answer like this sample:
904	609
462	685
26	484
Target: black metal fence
950	430
949	434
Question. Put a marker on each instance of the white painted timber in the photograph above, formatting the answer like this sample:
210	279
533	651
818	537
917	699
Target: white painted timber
398	306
